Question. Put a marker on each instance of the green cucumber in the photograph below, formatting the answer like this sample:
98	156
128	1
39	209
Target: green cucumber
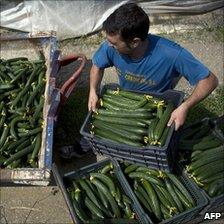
117	197
154	199
6	86
213	178
24	144
207	144
107	168
123	133
168	196
130	168
114	137
36	148
208	152
163	138
163	121
202	132
143	197
181	187
131	129
131	95
13	124
128	211
123	121
106	180
89	192
165	212
161	198
125	105
206	160
18	155
30	133
125	113
123	102
170	189
183	198
208	170
146	176
103	199
38	111
9	61
80	212
93	208
151	129
215	187
159	111
148	170
107	194
4	135
20	95
19	75
37	69
37	89
3	117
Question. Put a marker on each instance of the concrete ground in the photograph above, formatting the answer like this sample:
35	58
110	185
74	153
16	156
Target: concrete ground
34	205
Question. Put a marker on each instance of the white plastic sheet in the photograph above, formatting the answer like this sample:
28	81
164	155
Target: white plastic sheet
77	18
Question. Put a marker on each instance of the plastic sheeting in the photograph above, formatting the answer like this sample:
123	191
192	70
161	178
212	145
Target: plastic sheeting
76	18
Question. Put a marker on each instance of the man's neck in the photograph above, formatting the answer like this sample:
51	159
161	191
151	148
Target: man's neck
139	52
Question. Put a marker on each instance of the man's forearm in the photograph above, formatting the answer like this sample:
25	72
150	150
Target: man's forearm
95	78
202	90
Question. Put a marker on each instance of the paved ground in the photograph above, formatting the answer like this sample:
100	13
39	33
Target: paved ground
46	204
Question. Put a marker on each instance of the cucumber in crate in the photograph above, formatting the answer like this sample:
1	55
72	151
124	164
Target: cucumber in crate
202	153
22	86
165	197
97	196
132	118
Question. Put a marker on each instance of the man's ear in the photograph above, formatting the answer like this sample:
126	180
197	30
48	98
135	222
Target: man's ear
135	42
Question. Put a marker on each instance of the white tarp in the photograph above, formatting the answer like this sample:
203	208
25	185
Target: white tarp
77	18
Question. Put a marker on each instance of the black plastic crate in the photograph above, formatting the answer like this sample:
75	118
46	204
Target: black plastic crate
117	150
63	183
145	161
184	217
213	202
213	124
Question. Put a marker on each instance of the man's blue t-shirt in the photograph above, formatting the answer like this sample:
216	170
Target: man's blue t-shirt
163	61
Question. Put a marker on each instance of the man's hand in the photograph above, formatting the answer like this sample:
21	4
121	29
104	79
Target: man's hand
93	99
203	88
96	75
178	116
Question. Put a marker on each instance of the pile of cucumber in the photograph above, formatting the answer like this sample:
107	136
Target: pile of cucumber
205	162
205	159
161	194
22	86
99	196
132	118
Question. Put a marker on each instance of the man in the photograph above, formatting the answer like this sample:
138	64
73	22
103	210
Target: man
147	62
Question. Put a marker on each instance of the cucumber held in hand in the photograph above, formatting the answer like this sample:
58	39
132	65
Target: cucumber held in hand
163	121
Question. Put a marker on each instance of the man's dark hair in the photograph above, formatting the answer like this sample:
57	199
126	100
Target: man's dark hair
129	21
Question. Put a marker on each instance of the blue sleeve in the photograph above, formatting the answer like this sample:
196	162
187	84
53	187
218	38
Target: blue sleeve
191	68
101	57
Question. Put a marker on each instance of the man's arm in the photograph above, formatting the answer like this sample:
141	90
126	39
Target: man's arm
96	75
201	91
